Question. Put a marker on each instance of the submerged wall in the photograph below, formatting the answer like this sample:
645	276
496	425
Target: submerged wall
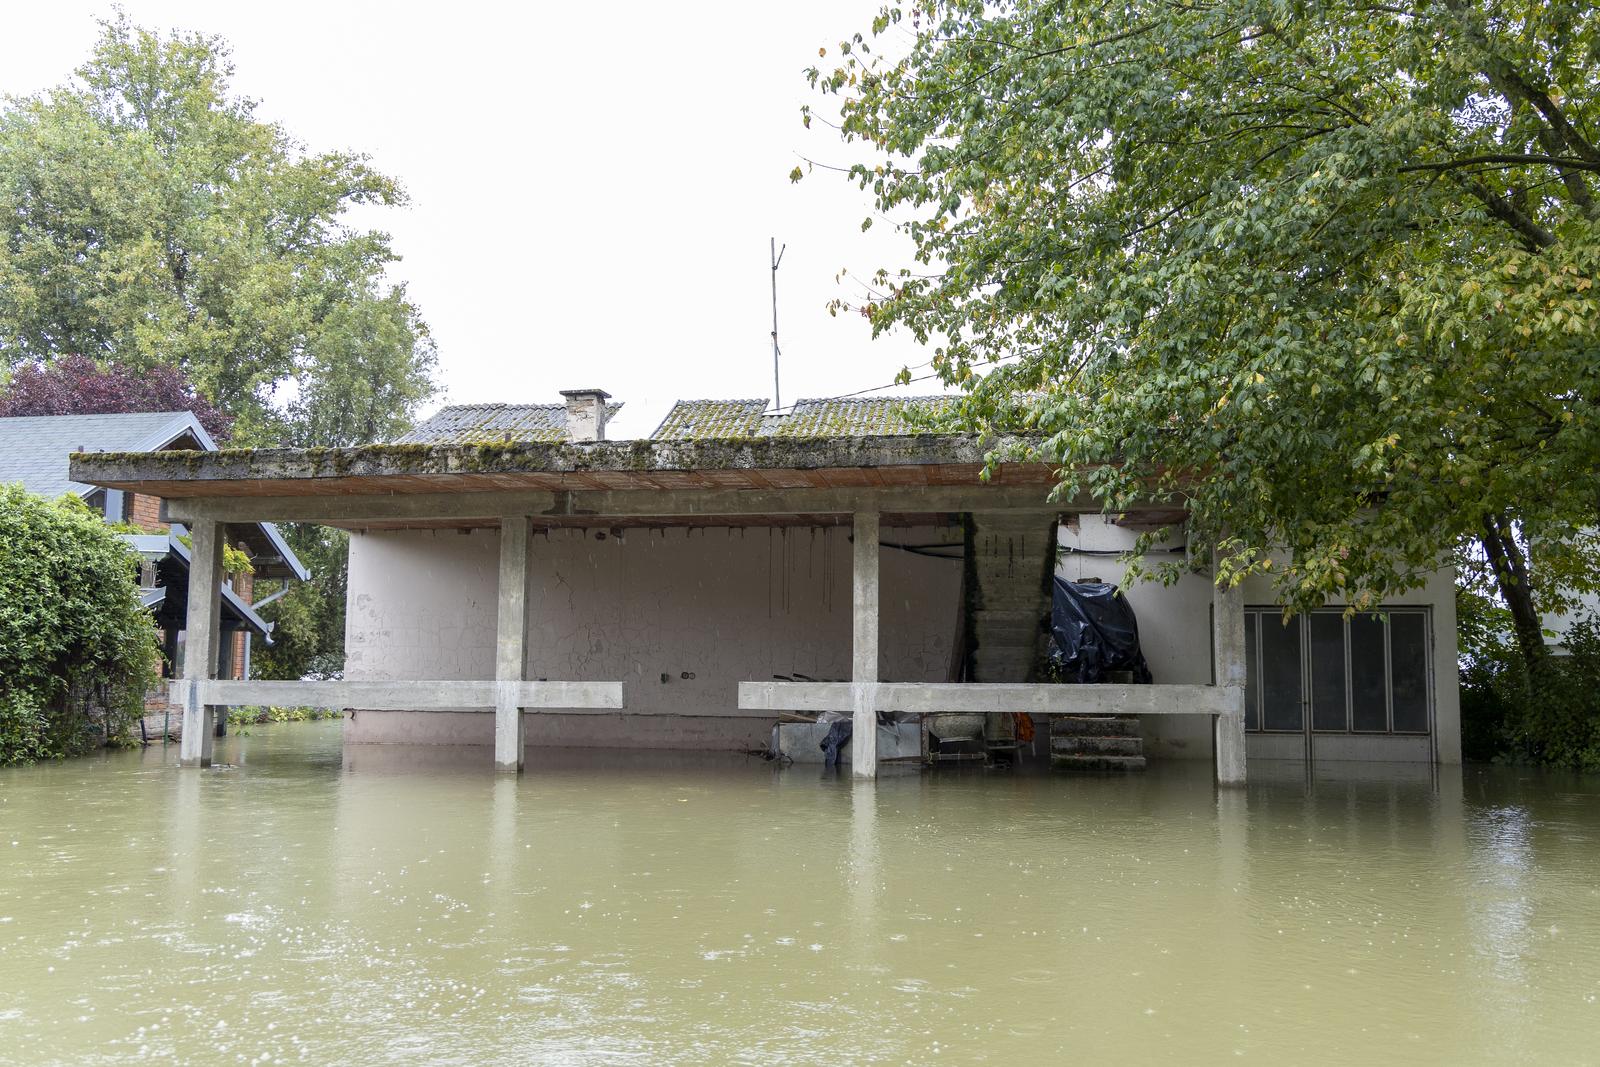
1175	634
680	616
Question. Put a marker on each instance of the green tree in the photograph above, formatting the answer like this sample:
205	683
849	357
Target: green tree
148	217
1322	272
77	651
308	620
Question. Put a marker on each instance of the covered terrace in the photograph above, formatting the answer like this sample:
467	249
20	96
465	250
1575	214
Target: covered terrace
865	482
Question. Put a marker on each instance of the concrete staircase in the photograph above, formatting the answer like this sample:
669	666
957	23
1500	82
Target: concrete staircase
1009	561
1096	743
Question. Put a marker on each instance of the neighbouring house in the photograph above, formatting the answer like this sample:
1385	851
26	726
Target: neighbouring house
34	451
518	578
1556	624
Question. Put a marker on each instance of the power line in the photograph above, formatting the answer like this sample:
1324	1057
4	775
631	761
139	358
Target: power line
890	385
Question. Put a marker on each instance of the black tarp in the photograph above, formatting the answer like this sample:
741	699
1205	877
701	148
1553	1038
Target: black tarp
1093	632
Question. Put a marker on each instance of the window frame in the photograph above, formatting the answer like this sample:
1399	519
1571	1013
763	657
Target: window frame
1256	616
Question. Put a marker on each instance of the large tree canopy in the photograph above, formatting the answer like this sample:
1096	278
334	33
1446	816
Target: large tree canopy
147	217
1324	272
77	385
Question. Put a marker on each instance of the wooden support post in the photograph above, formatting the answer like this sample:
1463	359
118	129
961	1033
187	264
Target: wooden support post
511	642
202	641
1227	642
864	647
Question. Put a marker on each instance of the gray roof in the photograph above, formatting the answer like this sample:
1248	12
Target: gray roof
34	448
469	424
692	419
867	416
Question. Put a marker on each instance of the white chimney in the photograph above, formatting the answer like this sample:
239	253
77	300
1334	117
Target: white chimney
586	414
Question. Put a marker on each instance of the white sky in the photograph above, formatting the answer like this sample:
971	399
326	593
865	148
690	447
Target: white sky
593	187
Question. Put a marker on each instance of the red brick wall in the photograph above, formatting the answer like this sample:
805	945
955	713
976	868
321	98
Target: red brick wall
145	512
245	586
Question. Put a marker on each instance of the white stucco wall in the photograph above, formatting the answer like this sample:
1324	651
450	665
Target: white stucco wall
1175	634
680	616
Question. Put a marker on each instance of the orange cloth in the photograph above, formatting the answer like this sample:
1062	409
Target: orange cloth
1024	725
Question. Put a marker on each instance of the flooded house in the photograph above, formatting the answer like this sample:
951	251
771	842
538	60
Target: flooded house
519	578
34	452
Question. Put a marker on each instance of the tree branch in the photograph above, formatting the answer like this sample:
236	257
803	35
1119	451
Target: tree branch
1534	236
1510	159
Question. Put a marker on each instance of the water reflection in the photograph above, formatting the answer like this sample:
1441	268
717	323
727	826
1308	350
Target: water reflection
391	903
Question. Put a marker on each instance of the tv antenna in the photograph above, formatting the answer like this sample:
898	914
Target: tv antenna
777	259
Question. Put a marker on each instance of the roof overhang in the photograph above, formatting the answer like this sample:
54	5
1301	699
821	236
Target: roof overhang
747	463
270	554
738	482
234	608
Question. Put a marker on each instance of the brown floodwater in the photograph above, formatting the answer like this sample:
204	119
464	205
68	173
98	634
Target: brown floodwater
300	905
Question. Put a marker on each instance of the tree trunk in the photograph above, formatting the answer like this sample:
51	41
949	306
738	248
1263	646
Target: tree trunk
1510	569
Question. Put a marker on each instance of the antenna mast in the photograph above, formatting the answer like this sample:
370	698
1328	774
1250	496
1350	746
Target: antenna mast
777	258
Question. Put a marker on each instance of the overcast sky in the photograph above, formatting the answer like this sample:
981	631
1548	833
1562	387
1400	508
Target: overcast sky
593	186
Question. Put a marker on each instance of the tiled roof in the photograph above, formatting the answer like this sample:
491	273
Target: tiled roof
864	416
34	448
466	424
34	451
876	416
691	419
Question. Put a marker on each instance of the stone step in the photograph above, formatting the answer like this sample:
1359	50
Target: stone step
1090	745
1004	594
1094	726
1117	764
1002	664
1006	622
1016	634
1028	614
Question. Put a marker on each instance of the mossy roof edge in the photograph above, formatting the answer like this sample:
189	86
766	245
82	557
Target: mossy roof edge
709	454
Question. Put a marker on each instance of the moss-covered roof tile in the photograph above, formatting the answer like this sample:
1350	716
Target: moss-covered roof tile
469	424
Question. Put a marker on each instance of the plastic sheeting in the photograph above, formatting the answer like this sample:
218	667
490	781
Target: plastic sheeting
1093	632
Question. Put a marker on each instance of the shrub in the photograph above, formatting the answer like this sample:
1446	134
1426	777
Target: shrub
1554	720
77	651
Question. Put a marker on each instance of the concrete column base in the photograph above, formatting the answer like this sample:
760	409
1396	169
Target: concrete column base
1230	745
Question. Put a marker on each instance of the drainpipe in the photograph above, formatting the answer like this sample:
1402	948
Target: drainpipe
264	601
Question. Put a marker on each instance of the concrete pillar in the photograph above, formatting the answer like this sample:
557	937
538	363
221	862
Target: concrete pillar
201	641
511	642
1227	643
864	646
219	718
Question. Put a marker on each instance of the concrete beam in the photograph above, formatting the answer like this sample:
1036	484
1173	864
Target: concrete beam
1227	643
864	646
600	505
629	459
202	643
928	698
451	695
511	641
